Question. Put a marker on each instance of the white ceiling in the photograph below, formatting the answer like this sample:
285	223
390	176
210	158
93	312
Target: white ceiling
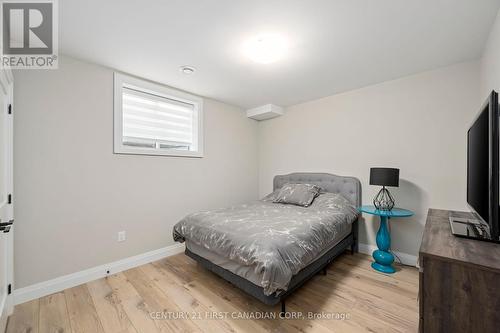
335	45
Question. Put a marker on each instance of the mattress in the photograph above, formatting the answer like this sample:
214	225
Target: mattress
274	241
251	273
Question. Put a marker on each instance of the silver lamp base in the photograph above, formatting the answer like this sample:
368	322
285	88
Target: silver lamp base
383	200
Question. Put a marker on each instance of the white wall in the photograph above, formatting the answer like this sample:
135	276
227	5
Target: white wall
417	123
72	194
490	63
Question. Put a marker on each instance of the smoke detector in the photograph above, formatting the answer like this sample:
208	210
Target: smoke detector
188	70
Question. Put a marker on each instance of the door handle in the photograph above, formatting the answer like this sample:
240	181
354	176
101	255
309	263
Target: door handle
5	224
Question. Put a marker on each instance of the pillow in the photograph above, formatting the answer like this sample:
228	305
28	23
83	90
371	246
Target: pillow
271	196
297	194
334	201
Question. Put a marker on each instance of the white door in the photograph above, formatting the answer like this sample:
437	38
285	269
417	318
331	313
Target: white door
6	196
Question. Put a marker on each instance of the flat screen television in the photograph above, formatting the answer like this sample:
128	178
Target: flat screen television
482	176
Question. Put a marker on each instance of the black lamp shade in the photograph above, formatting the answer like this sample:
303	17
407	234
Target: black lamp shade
384	176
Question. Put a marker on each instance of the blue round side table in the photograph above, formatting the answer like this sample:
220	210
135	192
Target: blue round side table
383	258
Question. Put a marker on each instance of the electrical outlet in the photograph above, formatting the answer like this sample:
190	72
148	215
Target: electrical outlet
122	236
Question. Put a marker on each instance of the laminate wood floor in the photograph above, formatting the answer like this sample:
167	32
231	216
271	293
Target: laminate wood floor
352	297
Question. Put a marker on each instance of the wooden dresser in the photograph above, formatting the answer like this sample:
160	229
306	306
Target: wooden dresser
459	279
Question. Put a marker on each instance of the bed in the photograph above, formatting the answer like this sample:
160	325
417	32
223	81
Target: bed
268	250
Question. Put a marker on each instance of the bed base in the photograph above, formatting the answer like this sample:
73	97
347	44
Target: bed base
319	265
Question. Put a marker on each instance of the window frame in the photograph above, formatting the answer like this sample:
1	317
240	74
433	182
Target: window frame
119	80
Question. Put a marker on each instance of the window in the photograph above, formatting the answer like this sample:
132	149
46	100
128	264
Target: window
152	119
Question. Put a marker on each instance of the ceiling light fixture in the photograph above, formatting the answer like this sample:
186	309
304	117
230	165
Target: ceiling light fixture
187	70
265	48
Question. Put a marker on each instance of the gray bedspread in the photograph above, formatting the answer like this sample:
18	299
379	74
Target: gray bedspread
277	239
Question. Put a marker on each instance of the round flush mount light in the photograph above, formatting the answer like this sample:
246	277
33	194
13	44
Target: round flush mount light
188	70
265	48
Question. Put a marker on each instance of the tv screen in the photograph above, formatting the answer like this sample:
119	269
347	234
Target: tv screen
478	165
483	166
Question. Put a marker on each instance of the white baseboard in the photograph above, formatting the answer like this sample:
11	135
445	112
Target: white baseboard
406	259
71	280
4	314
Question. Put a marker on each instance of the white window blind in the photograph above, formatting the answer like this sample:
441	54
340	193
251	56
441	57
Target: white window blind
156	120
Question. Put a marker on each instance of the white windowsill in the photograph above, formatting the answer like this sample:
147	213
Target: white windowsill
156	152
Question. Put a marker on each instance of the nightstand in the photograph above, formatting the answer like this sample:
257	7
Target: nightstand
384	258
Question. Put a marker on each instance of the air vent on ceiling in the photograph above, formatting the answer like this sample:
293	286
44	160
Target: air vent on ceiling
264	112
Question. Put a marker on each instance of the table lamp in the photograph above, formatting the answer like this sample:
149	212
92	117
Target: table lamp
384	177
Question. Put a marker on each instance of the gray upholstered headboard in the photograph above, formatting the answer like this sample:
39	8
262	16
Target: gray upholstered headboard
349	187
